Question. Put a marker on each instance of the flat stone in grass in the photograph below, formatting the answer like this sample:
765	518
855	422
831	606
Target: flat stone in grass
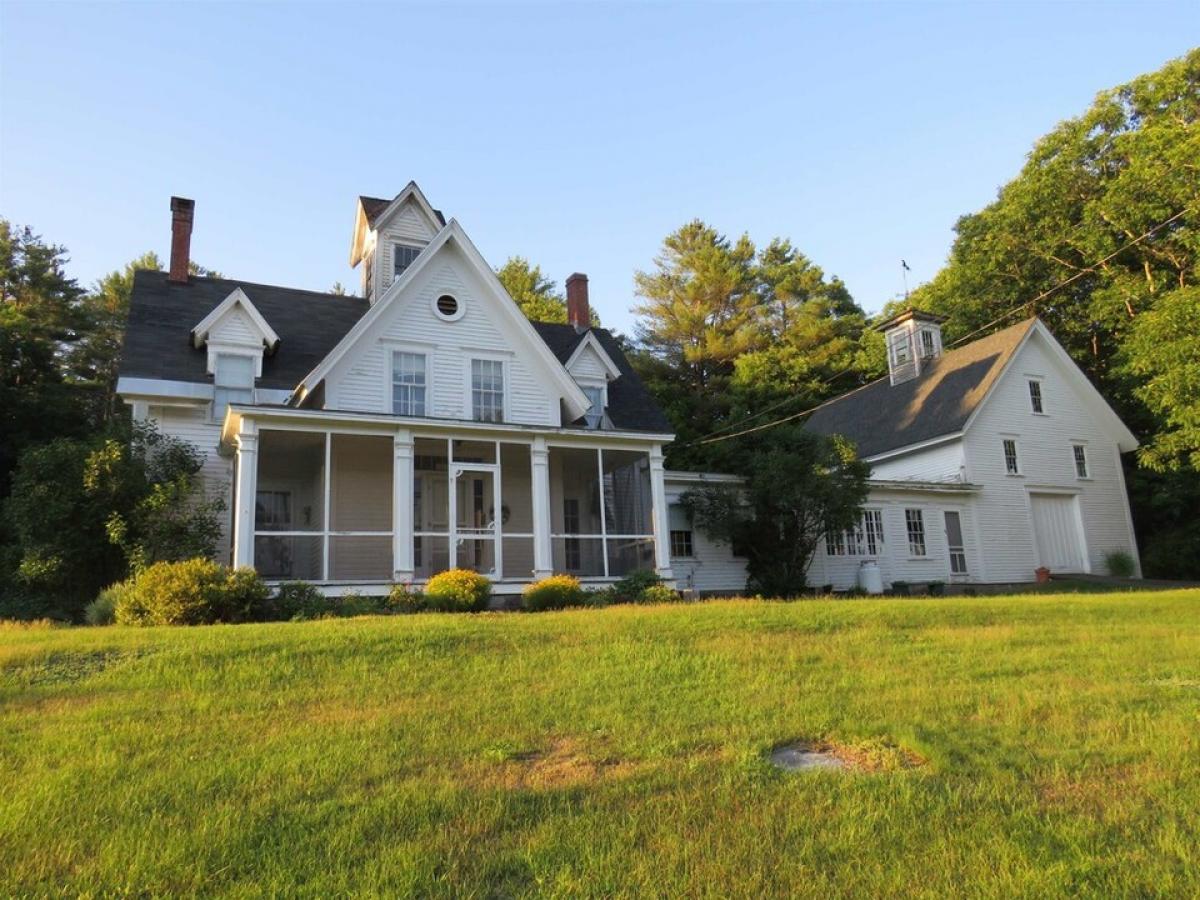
804	758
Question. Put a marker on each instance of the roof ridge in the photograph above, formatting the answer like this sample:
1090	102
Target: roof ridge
261	284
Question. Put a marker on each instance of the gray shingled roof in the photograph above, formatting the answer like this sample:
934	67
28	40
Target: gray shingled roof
162	314
880	417
373	207
630	406
309	324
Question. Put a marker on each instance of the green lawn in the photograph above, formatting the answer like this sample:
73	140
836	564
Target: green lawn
612	752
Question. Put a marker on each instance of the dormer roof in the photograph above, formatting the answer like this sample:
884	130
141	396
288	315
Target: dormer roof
373	213
237	300
918	315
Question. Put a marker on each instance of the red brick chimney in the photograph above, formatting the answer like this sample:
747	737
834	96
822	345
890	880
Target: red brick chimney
182	210
577	302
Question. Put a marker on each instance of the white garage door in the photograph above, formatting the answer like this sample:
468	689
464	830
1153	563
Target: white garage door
1056	530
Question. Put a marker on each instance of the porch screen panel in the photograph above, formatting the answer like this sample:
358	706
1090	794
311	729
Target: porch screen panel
361	495
360	558
582	557
474	451
626	555
516	512
289	508
518	558
574	477
431	506
627	498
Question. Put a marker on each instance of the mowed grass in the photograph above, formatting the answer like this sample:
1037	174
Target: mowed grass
612	752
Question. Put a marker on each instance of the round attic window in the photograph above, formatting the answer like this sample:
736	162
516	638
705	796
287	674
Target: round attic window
448	307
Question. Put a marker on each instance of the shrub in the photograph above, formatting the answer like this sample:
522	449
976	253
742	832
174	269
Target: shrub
192	592
458	590
659	593
631	588
103	610
295	600
936	588
403	599
555	592
1120	564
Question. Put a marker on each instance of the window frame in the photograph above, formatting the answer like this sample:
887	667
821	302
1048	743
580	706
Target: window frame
602	390
397	246
1037	404
503	390
895	341
424	385
218	407
1015	471
916	515
928	337
1079	457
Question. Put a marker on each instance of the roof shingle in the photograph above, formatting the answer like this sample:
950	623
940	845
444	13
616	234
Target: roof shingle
880	417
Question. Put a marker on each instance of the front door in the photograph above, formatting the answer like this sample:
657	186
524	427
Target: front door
475	503
954	543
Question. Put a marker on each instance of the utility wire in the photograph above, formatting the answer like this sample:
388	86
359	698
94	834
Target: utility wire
716	436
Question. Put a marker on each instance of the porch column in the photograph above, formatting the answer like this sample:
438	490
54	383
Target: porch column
662	526
402	507
543	557
247	482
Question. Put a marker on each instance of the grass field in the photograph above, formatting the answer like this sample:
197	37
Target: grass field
612	752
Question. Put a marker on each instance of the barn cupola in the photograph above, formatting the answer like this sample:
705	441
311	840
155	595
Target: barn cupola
914	340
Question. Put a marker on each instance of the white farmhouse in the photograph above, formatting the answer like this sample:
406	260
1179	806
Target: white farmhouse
427	424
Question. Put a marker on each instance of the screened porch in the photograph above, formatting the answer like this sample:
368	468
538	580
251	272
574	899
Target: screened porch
326	507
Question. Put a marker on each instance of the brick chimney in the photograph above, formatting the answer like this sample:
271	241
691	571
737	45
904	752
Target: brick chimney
182	210
577	302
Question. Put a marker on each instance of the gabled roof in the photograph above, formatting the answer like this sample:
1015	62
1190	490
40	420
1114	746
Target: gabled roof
158	335
373	210
590	340
236	298
571	393
630	406
881	417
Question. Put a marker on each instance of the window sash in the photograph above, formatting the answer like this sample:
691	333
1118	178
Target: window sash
595	414
1012	465
1081	467
403	257
408	383
863	539
899	348
914	524
487	390
1035	396
681	543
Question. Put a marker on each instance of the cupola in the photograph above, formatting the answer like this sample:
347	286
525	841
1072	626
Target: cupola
914	340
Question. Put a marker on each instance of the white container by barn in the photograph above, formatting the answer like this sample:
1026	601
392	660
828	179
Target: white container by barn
869	577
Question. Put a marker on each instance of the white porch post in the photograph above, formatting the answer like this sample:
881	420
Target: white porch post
402	507
247	481
543	557
662	526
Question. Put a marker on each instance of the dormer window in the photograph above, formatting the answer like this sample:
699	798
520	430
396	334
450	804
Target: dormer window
233	382
898	345
928	344
402	257
594	417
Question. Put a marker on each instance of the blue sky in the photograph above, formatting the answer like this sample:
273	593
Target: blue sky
575	135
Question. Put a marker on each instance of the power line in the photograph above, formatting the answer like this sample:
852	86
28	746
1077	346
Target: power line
714	437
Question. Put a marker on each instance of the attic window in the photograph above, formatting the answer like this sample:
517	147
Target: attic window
402	258
448	307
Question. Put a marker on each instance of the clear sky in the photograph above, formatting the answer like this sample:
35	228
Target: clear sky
578	136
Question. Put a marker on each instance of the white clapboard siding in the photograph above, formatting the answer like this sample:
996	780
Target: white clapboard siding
236	327
1044	449
713	568
193	424
588	366
942	462
895	561
361	382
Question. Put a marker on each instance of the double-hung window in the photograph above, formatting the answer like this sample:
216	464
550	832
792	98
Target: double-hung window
873	531
408	384
864	539
402	258
1081	465
1035	396
233	382
487	390
1012	465
681	531
595	414
914	524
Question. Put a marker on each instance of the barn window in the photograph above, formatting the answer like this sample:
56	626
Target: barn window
1081	464
1035	396
1011	464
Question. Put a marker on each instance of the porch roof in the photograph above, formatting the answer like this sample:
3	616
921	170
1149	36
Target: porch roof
319	419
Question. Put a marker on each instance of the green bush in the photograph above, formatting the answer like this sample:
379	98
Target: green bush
192	592
633	586
458	590
555	592
659	593
103	610
1120	564
403	599
295	600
